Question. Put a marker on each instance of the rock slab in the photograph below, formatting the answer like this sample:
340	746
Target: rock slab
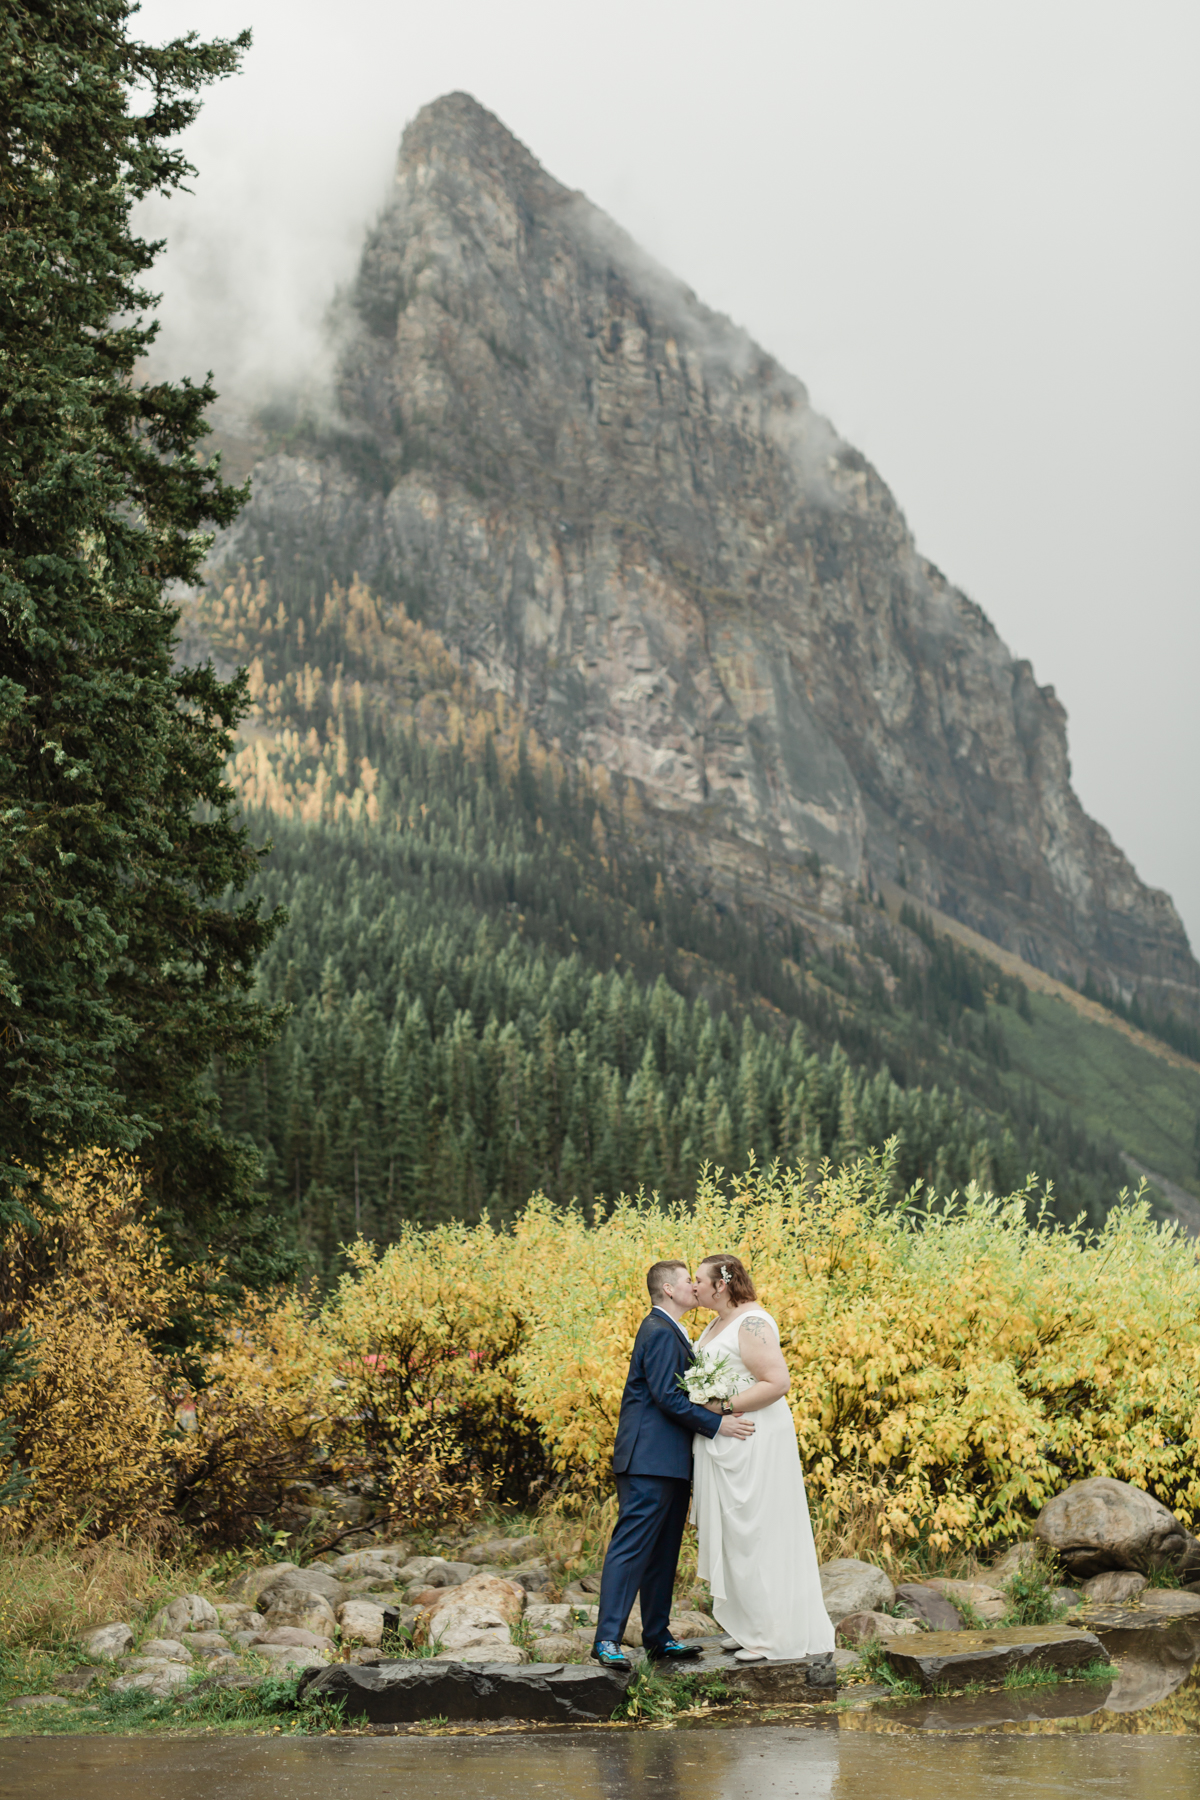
957	1658
926	1604
401	1693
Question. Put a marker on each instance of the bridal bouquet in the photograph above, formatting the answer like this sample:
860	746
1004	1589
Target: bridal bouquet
711	1376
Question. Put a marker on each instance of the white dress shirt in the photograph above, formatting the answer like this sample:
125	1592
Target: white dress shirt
675	1322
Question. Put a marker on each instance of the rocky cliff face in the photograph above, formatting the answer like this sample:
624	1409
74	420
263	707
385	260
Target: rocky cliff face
627	516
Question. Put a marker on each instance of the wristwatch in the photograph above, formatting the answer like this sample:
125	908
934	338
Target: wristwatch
727	1407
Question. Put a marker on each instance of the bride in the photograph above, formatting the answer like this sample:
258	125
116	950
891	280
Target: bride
749	1506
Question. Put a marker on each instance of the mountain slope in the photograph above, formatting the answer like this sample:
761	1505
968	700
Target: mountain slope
620	512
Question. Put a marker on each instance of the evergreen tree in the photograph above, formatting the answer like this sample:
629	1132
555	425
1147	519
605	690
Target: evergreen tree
122	969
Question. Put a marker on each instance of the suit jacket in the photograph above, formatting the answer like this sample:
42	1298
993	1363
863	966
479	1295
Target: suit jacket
654	1431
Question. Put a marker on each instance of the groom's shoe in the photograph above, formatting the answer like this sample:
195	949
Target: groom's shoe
673	1652
611	1655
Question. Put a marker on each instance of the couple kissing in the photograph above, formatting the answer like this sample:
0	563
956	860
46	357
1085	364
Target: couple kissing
710	1422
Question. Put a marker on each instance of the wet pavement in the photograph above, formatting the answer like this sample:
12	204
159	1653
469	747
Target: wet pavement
815	1762
1134	1738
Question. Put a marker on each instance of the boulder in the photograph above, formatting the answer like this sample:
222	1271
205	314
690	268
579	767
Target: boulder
988	1601
309	1581
505	1597
361	1623
155	1673
929	1606
168	1649
1104	1524
687	1625
402	1692
291	1657
187	1612
1063	1597
236	1617
860	1627
961	1658
292	1638
252	1582
458	1628
582	1592
304	1609
848	1585
541	1618
503	1550
1019	1558
362	1562
1114	1584
485	1651
107	1642
557	1647
206	1643
77	1681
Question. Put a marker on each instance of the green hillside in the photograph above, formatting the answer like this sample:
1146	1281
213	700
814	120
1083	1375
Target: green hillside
1111	1085
494	989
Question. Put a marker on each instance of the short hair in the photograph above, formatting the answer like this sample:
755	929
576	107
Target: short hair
737	1280
657	1275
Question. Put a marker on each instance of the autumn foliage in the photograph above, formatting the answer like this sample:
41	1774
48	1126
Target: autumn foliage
950	1369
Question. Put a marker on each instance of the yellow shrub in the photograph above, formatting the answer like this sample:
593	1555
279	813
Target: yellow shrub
115	1437
949	1371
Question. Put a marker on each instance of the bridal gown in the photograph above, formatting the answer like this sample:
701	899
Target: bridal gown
751	1514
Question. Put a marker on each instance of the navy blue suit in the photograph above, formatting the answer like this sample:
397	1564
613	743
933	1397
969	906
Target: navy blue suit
652	1461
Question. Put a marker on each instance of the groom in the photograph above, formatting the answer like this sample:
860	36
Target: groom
652	1460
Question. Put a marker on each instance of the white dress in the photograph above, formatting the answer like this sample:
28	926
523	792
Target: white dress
751	1513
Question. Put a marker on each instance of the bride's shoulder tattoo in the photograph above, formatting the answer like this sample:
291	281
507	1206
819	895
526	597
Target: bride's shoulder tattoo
756	1327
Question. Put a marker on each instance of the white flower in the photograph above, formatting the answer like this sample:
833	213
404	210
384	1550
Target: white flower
711	1376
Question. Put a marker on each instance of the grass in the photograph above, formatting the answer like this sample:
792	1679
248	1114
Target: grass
272	1706
1114	1087
50	1592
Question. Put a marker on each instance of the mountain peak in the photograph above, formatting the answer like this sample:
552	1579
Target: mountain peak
624	514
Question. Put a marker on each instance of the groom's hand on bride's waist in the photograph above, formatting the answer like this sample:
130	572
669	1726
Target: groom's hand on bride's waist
733	1426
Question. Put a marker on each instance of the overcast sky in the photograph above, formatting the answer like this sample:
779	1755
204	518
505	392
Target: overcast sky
973	230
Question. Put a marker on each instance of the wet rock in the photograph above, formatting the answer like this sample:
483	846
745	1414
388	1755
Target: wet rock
228	1673
929	1606
304	1610
361	1623
253	1582
1064	1597
848	1585
1114	1584
1105	1524
28	1702
780	1682
958	1658
169	1648
187	1612
107	1641
400	1693
860	1627
206	1643
844	1660
988	1601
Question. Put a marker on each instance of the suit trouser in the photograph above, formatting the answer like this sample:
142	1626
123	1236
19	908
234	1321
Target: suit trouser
643	1554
